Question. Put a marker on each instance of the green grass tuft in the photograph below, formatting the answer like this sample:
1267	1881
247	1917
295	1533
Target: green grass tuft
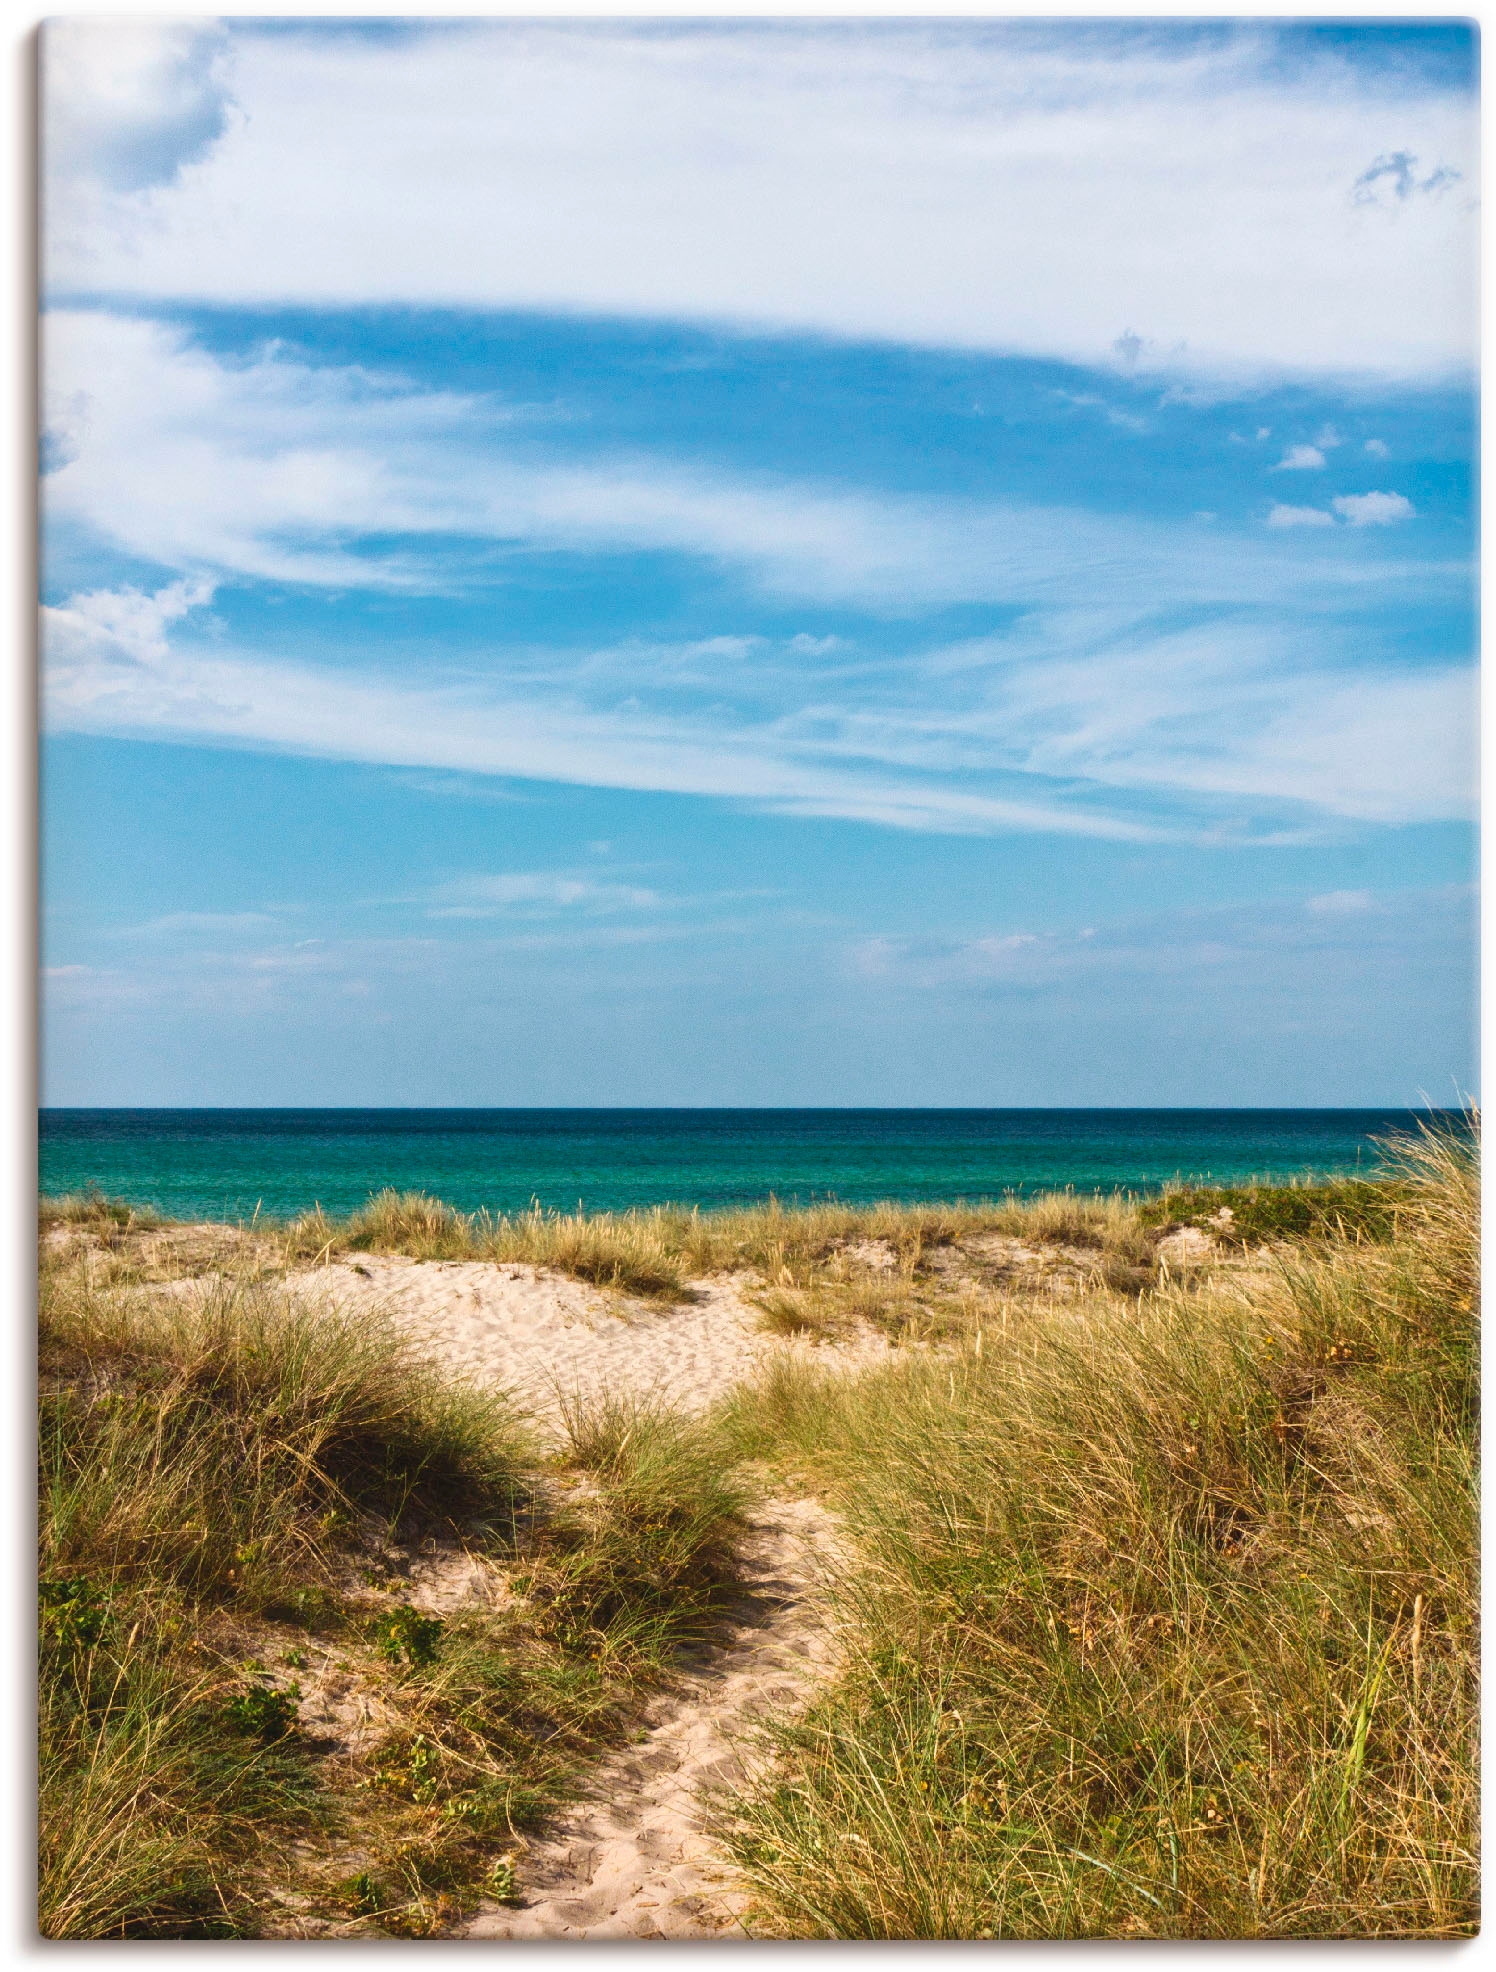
207	1442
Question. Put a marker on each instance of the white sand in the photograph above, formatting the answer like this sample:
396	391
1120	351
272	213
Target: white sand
545	1337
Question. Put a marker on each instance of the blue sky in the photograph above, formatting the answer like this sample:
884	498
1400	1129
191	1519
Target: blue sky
764	563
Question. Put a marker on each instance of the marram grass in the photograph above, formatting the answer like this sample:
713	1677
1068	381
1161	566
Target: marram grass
212	1466
1157	1604
1159	1614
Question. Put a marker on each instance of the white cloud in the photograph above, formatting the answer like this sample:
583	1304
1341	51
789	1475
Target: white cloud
1013	186
1373	509
126	622
1377	448
105	644
265	468
93	683
1342	903
1282	516
1300	458
277	468
129	103
1077	722
543	890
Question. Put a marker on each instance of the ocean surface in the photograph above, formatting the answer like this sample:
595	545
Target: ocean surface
227	1163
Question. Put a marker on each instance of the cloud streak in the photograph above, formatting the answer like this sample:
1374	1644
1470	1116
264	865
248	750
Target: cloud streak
333	477
1346	928
537	893
974	185
1040	731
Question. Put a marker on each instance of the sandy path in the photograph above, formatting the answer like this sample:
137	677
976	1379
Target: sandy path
631	1858
543	1335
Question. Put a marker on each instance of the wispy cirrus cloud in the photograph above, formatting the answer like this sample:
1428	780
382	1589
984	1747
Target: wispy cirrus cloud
208	694
338	477
334	476
1042	729
971	184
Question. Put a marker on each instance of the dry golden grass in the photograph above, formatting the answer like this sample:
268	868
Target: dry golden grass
654	1253
1158	1602
1160	1613
215	1466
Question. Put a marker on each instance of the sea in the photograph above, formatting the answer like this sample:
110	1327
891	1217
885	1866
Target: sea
231	1164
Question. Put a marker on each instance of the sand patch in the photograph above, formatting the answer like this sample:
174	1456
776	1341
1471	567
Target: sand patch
545	1337
1185	1250
632	1858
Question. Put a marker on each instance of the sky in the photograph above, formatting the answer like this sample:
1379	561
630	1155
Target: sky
785	562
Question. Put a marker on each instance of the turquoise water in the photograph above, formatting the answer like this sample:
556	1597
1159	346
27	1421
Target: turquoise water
226	1163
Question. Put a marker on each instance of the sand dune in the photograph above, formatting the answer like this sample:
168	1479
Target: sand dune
545	1337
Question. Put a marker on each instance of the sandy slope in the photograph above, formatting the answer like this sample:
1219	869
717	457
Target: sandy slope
544	1336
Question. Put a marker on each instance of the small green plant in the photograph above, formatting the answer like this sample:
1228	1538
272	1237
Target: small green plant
793	1311
501	1882
405	1634
362	1894
416	1773
262	1712
73	1612
1245	1215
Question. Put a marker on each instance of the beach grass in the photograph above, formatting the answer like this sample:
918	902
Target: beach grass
95	1211
1159	1616
654	1253
211	1443
222	1478
1155	1600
